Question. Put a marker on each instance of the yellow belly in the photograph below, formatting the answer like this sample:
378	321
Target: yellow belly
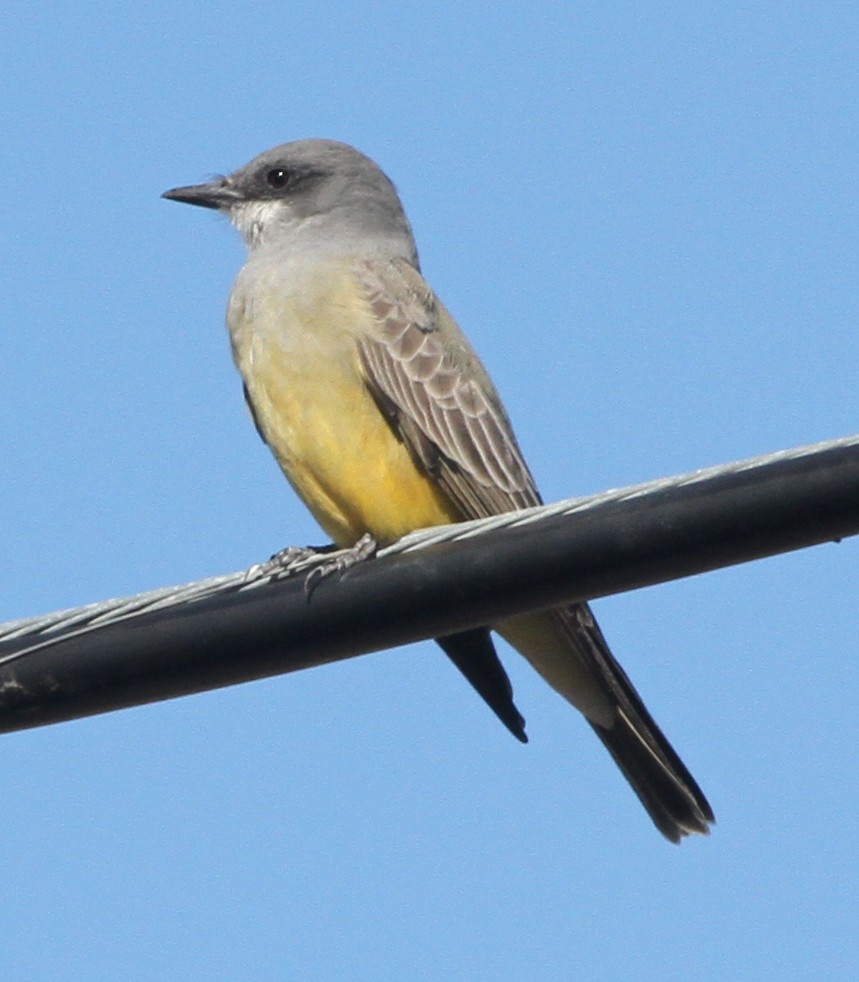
300	364
343	459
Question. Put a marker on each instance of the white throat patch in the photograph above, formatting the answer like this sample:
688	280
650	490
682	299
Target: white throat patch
252	217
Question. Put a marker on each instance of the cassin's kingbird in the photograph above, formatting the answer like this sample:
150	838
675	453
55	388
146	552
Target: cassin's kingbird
384	421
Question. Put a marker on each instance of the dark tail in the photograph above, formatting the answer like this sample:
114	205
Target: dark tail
659	778
640	749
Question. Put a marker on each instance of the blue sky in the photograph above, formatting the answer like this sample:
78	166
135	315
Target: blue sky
645	217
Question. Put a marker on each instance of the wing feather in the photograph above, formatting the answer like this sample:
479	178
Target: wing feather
437	395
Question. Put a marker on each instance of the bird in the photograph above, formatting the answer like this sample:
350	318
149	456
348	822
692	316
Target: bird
384	420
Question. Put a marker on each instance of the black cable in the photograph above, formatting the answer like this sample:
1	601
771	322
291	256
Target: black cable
111	656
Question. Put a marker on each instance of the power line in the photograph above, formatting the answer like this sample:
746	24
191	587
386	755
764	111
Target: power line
240	627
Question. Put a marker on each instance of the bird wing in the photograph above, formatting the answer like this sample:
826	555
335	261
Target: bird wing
440	402
436	395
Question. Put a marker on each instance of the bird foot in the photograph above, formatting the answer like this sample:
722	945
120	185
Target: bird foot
319	562
340	560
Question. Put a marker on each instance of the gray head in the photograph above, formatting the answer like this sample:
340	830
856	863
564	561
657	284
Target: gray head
310	193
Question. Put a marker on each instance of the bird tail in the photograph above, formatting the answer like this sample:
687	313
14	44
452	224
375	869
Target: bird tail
640	749
567	647
659	777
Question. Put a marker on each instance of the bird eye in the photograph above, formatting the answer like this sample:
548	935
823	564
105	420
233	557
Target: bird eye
277	178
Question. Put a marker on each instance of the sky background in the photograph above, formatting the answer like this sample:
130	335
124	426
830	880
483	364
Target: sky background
645	217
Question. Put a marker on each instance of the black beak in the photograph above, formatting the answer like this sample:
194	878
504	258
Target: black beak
218	194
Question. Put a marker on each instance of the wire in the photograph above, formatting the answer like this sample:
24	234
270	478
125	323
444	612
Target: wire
241	626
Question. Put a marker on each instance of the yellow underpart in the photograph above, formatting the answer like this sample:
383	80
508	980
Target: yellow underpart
299	358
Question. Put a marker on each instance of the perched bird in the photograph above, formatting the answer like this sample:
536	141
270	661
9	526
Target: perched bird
383	419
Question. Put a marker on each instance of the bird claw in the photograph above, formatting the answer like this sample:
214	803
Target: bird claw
322	562
285	562
339	561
